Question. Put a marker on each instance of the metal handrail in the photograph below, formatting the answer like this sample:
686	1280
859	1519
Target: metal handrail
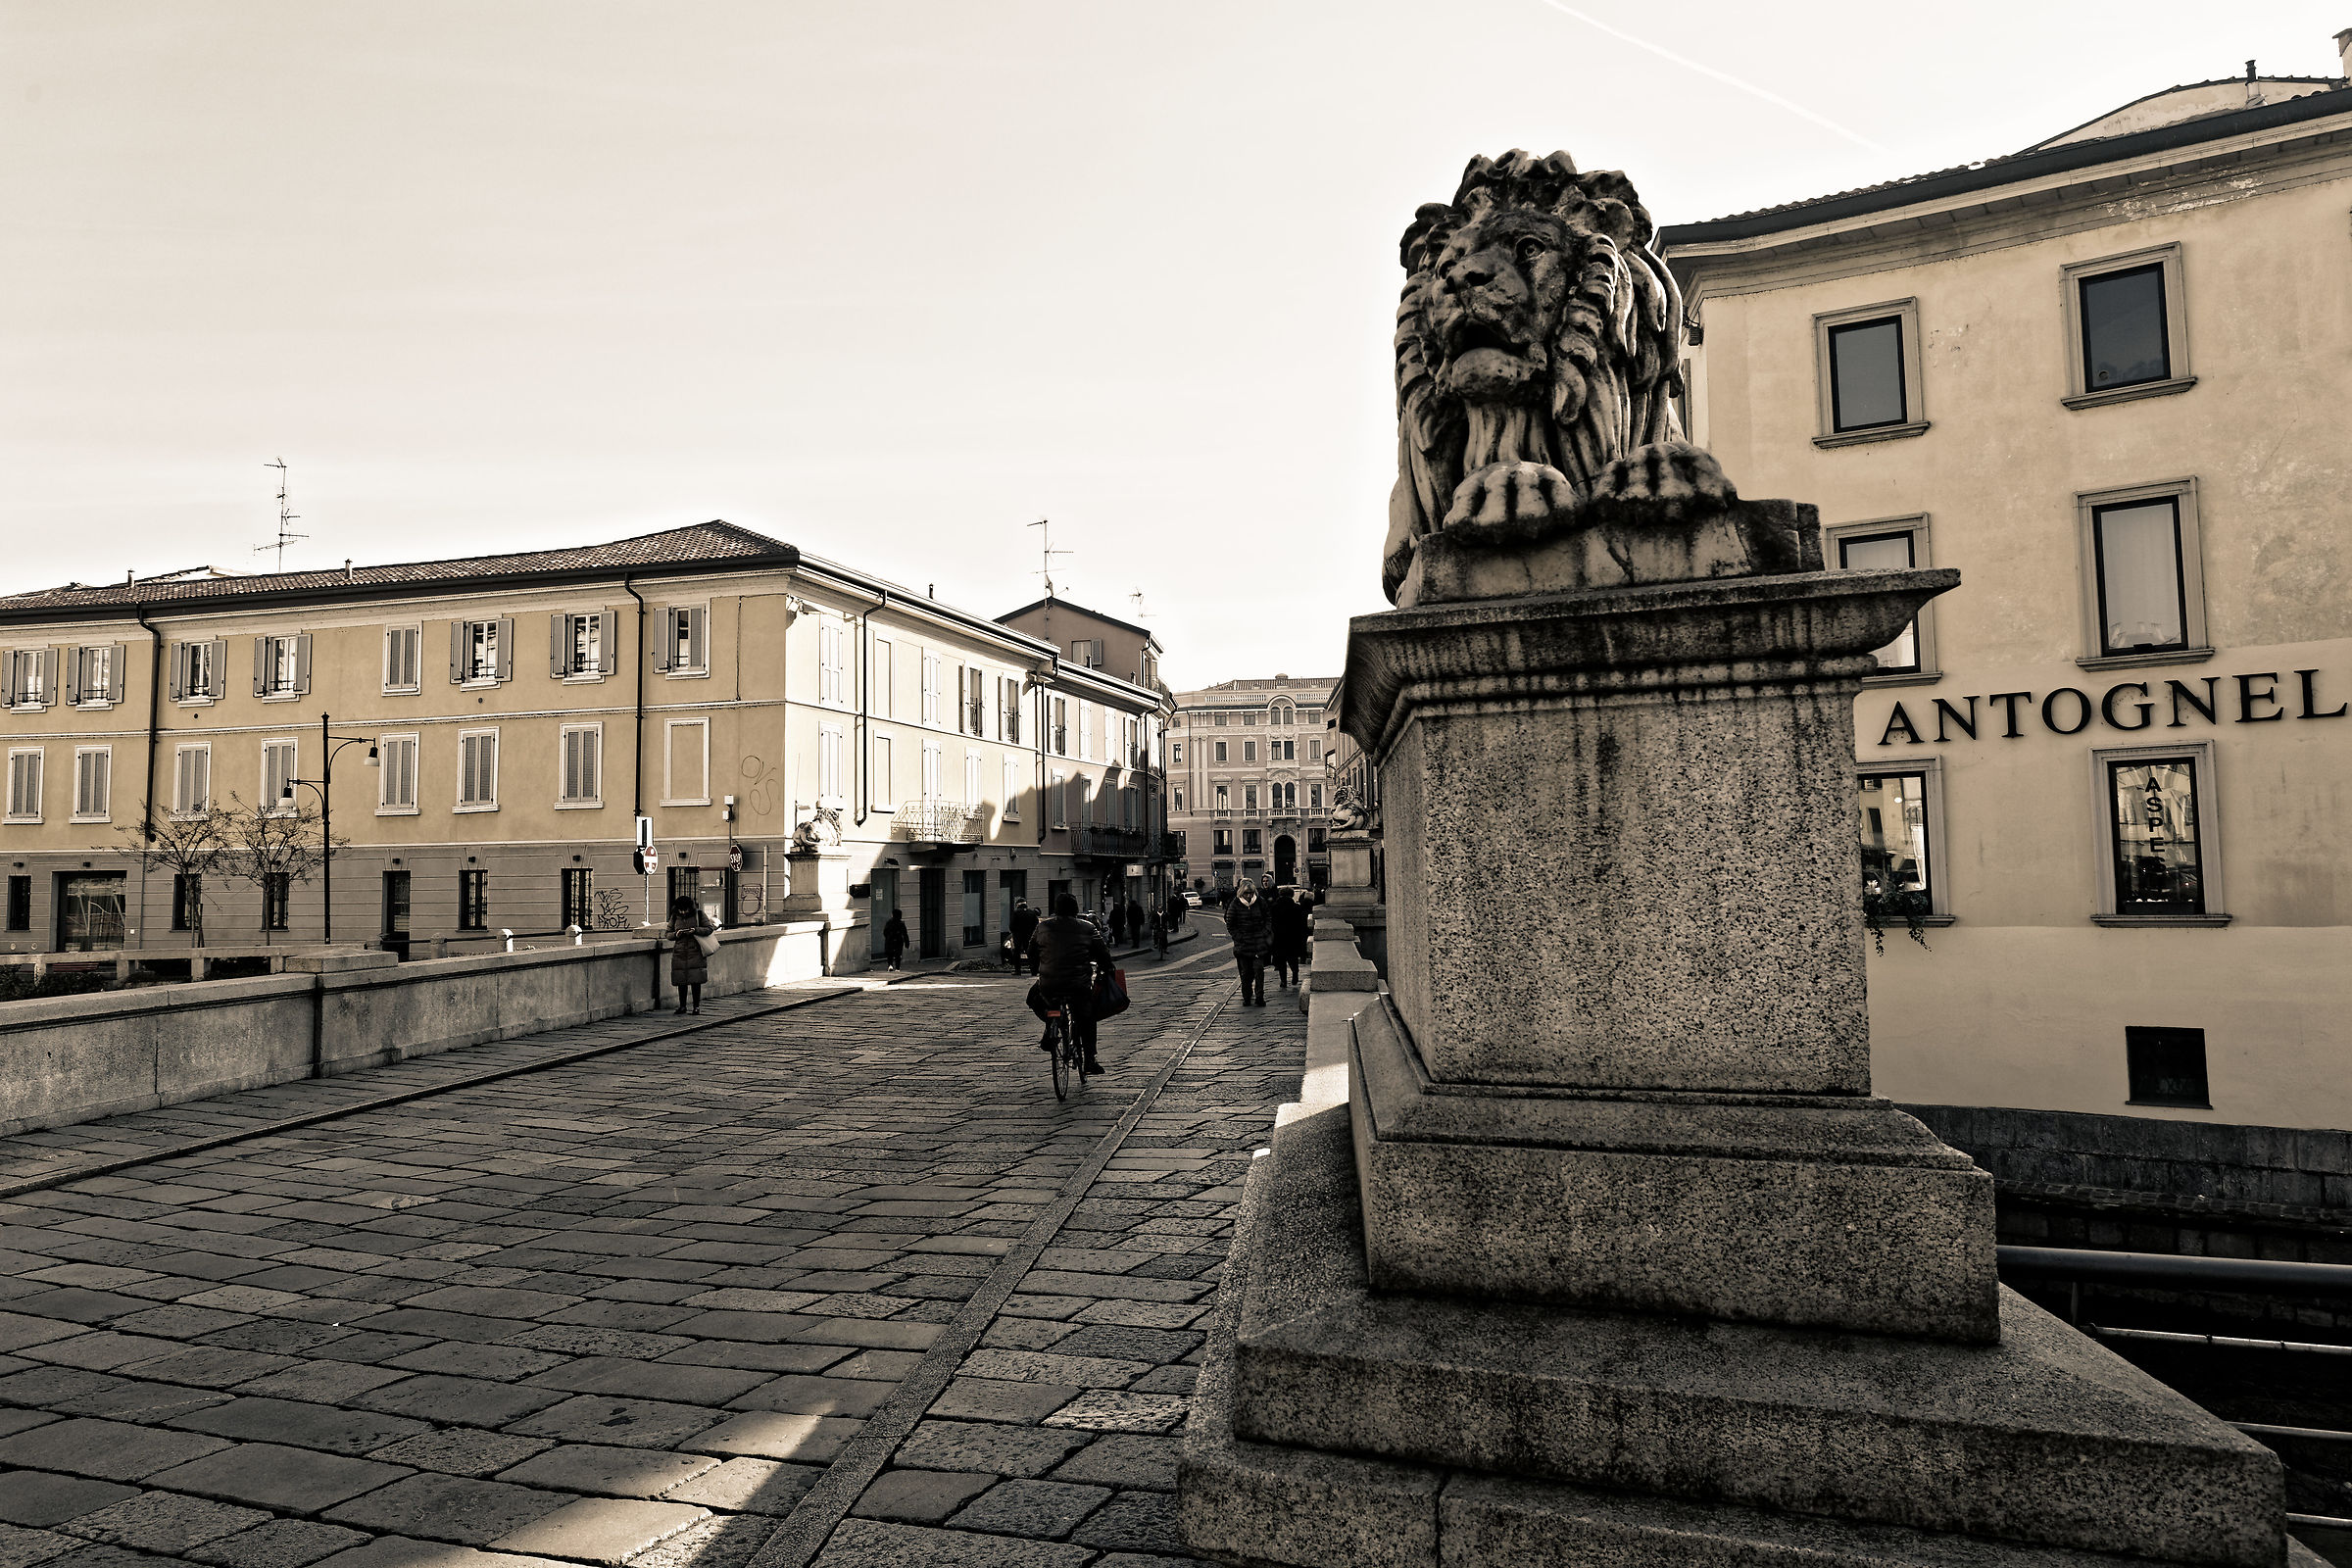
2165	1268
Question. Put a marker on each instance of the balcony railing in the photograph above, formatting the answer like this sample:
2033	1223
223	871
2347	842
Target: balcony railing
939	823
1130	842
1171	846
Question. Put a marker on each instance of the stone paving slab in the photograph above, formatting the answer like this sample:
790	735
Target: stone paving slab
632	1309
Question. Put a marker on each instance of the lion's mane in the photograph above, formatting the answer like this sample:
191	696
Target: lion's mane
1611	349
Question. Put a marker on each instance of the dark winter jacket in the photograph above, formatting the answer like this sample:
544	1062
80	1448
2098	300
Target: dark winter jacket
1065	949
1024	924
893	934
1250	926
687	965
1289	921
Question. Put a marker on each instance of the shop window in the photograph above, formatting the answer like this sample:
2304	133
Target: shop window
2127	328
1869	383
1899	822
2167	1066
2154	821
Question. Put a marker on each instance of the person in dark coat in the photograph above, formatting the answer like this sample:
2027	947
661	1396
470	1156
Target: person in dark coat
688	968
894	939
1135	920
1288	916
1249	922
1176	910
1024	926
1118	918
1066	951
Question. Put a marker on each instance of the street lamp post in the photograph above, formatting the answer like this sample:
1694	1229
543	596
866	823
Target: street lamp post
328	745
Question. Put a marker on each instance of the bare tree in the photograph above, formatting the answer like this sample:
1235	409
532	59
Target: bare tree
265	846
187	844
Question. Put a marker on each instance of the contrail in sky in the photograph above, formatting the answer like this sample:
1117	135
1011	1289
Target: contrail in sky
1728	80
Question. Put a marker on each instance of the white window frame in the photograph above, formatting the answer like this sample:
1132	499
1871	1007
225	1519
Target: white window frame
831	748
931	692
184	809
1939	881
1915	406
670	783
2074	274
44	663
594	800
277	804
283	648
932	765
1057	787
207	657
1914	524
883	780
112	693
501	656
458	790
38	776
387	771
1222	799
1015	781
106	806
413	632
603	639
2209	835
2182	493
666	657
975	780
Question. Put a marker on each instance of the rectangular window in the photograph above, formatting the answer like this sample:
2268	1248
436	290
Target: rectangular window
1086	730
686	763
1059	788
481	653
2124	342
1290	751
886	777
576	647
1252	841
975	903
829	742
1224	797
2167	1066
1220	751
975	702
1176	753
94	675
1315	797
1016	778
1248	751
1314	751
401	647
1892	809
477	770
1221	719
191	779
29	676
473	900
282	665
931	688
1249	718
93	783
1088	653
280	767
24	785
1249	797
1224	842
188	902
584	765
2153	813
832	660
1062	726
197	670
886	683
20	904
685	645
276	896
685	882
1010	700
579	897
1880	552
2143	601
1179	794
1866	374
396	775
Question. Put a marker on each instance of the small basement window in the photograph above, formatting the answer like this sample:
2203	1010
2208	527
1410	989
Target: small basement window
2167	1066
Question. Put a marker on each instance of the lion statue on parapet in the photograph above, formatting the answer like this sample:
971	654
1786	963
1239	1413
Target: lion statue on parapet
1537	358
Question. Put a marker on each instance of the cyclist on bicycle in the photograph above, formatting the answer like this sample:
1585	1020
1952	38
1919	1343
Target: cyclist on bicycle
1064	950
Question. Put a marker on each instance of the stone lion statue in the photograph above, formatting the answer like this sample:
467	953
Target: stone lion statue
1538	354
820	831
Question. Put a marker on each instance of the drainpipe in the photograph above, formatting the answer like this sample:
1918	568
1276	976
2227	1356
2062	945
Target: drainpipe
155	682
866	676
637	752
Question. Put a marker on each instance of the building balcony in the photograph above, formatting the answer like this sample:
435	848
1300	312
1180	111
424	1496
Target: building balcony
939	823
1171	846
1113	843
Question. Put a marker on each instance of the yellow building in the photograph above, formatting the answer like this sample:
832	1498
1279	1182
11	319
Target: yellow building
522	714
1247	786
2105	378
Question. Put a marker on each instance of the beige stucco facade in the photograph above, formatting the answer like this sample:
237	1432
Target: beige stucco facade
1248	786
924	735
1997	467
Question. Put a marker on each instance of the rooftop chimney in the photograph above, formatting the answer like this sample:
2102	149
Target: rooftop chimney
2343	50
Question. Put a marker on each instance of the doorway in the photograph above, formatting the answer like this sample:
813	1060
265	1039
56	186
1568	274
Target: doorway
884	904
934	883
395	937
89	911
1285	860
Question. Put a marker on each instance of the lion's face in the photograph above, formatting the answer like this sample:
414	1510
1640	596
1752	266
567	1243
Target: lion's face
1492	301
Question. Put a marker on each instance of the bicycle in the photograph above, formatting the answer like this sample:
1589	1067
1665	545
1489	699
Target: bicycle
1065	1053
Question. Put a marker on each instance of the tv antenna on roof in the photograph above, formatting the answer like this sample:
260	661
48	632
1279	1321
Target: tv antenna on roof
1136	599
285	535
1047	554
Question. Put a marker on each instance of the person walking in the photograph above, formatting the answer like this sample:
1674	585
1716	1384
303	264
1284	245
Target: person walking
1289	919
1116	919
1135	920
688	967
1247	921
894	939
1024	926
1176	910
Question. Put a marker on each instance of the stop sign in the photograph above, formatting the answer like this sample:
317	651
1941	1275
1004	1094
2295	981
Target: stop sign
648	861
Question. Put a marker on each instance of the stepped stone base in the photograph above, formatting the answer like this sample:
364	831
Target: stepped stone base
1336	1426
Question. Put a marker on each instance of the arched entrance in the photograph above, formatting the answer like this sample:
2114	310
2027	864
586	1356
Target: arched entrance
1285	860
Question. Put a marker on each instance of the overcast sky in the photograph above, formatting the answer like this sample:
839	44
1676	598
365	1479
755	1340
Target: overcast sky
890	281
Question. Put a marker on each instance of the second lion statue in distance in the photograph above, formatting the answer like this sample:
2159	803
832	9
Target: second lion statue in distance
1538	354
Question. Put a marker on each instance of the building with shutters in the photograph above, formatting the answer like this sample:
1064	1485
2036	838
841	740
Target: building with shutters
498	725
2102	376
1247	783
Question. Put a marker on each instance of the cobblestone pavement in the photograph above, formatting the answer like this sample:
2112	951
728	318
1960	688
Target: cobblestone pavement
840	1285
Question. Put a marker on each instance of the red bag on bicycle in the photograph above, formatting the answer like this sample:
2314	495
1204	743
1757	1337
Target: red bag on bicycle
1111	994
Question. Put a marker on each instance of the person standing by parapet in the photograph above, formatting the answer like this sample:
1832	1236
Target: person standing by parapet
1247	921
1288	918
688	967
1024	926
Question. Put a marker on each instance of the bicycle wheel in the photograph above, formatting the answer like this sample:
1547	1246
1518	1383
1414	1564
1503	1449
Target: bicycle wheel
1058	1057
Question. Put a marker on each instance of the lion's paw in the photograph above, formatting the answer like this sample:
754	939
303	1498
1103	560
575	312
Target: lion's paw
1513	500
1674	476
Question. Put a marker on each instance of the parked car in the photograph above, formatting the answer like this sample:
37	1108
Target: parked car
1192	900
